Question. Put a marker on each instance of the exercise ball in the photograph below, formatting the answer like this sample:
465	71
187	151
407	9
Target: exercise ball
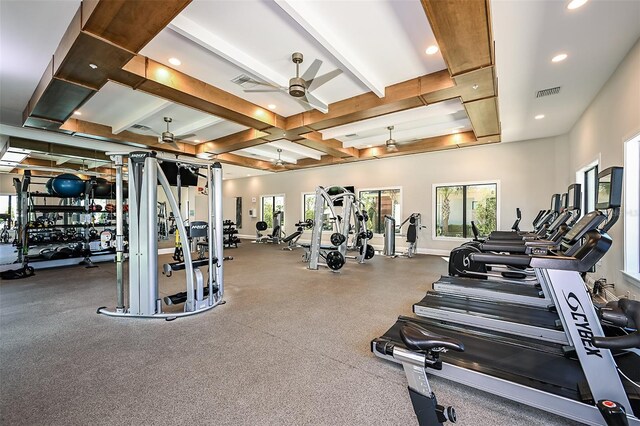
68	185
48	187
102	188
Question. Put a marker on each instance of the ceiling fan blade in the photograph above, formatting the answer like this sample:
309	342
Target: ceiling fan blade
174	145
188	135
314	83
311	72
308	98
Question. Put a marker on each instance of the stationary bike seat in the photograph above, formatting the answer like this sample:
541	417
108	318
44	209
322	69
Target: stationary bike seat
418	338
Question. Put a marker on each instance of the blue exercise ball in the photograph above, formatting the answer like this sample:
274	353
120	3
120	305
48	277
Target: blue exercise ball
68	185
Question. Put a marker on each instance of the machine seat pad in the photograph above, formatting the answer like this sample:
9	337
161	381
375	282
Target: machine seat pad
412	234
418	338
179	266
292	236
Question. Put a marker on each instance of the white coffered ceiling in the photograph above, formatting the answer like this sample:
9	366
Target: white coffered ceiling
375	43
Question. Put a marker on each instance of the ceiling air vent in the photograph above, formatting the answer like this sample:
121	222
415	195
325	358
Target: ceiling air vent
548	92
141	127
245	81
351	135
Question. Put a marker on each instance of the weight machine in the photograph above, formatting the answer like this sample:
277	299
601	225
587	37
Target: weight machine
335	254
390	228
145	172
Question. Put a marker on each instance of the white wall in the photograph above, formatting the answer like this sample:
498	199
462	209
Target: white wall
526	171
612	118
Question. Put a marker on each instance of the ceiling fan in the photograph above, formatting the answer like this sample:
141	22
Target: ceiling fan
391	143
300	86
279	162
164	137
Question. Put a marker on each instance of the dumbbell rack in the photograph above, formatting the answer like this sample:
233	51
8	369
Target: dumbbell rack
37	240
230	232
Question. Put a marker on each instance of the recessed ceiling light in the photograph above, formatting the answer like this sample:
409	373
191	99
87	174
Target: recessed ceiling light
539	117
197	140
559	58
475	86
93	66
433	49
574	4
77	113
271	106
454	131
248	175
369	146
175	61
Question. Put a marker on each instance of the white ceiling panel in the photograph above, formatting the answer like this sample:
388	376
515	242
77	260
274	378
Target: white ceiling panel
218	130
596	37
386	39
230	171
296	149
409	125
204	65
114	105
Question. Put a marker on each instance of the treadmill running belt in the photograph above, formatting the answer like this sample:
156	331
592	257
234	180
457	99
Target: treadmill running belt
540	370
519	289
502	311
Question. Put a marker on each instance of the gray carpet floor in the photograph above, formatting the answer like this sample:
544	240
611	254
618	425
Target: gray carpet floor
290	347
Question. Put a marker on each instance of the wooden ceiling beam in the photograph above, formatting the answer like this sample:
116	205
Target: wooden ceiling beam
483	115
101	38
102	132
147	75
240	160
332	147
244	139
56	149
424	145
398	97
463	32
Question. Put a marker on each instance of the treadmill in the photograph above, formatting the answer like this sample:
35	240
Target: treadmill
538	373
522	320
514	291
542	220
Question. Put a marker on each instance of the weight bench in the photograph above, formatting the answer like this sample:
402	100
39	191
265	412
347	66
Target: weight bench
200	290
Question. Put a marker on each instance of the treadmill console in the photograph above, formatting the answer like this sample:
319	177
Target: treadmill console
609	195
574	196
555	203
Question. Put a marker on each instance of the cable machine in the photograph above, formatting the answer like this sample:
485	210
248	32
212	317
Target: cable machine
144	175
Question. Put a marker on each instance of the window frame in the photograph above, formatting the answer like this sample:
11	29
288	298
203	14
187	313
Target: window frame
434	202
631	264
273	196
581	178
302	198
384	188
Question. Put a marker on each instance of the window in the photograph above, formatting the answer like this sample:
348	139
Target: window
308	210
457	205
588	176
380	202
308	205
271	203
632	208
